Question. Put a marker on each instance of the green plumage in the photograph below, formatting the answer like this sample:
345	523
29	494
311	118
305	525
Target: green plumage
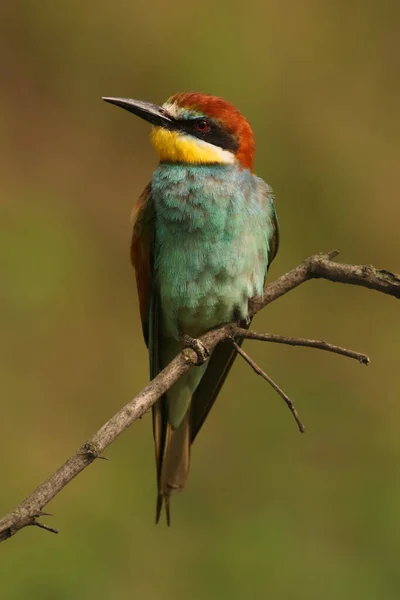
212	238
213	226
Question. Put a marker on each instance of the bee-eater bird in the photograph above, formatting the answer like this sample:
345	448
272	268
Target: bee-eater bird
204	234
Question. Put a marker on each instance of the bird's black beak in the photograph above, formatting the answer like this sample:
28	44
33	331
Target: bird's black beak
156	115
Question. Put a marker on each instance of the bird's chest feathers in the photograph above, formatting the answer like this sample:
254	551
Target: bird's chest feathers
209	258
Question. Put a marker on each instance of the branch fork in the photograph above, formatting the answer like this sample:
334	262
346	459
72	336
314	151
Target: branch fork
318	266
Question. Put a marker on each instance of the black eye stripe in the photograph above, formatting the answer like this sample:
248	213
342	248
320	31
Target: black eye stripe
214	134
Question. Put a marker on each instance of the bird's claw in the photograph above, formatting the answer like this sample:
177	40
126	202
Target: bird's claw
202	352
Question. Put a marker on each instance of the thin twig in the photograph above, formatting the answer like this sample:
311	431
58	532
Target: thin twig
295	341
46	527
317	266
272	383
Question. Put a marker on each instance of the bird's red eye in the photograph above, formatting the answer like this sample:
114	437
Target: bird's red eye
202	125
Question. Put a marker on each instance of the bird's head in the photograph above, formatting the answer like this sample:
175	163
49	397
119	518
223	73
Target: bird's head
196	128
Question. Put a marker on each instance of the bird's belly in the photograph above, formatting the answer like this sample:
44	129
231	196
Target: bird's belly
205	289
194	318
211	310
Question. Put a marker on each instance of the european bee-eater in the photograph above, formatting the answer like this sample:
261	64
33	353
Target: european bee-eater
204	234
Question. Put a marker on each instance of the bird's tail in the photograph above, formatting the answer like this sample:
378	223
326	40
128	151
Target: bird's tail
175	464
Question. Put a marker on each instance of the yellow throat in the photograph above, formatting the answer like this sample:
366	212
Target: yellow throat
173	146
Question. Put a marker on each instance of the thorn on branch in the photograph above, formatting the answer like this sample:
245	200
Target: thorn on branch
272	383
92	451
45	527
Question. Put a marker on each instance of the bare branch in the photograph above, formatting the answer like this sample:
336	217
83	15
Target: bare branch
317	266
367	276
295	341
321	266
46	527
272	383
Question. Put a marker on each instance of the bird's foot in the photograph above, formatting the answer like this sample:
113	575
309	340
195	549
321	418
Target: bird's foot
202	352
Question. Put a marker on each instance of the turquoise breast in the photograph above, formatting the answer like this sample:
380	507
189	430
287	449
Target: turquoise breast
213	224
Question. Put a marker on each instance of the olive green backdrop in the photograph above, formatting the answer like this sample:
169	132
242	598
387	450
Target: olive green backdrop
267	513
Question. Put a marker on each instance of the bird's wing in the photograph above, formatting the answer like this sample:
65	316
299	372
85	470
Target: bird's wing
274	238
142	256
224	355
142	249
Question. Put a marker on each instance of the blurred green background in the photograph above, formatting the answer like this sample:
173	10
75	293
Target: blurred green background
268	513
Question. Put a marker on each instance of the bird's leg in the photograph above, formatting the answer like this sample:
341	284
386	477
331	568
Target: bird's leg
239	319
202	352
246	321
